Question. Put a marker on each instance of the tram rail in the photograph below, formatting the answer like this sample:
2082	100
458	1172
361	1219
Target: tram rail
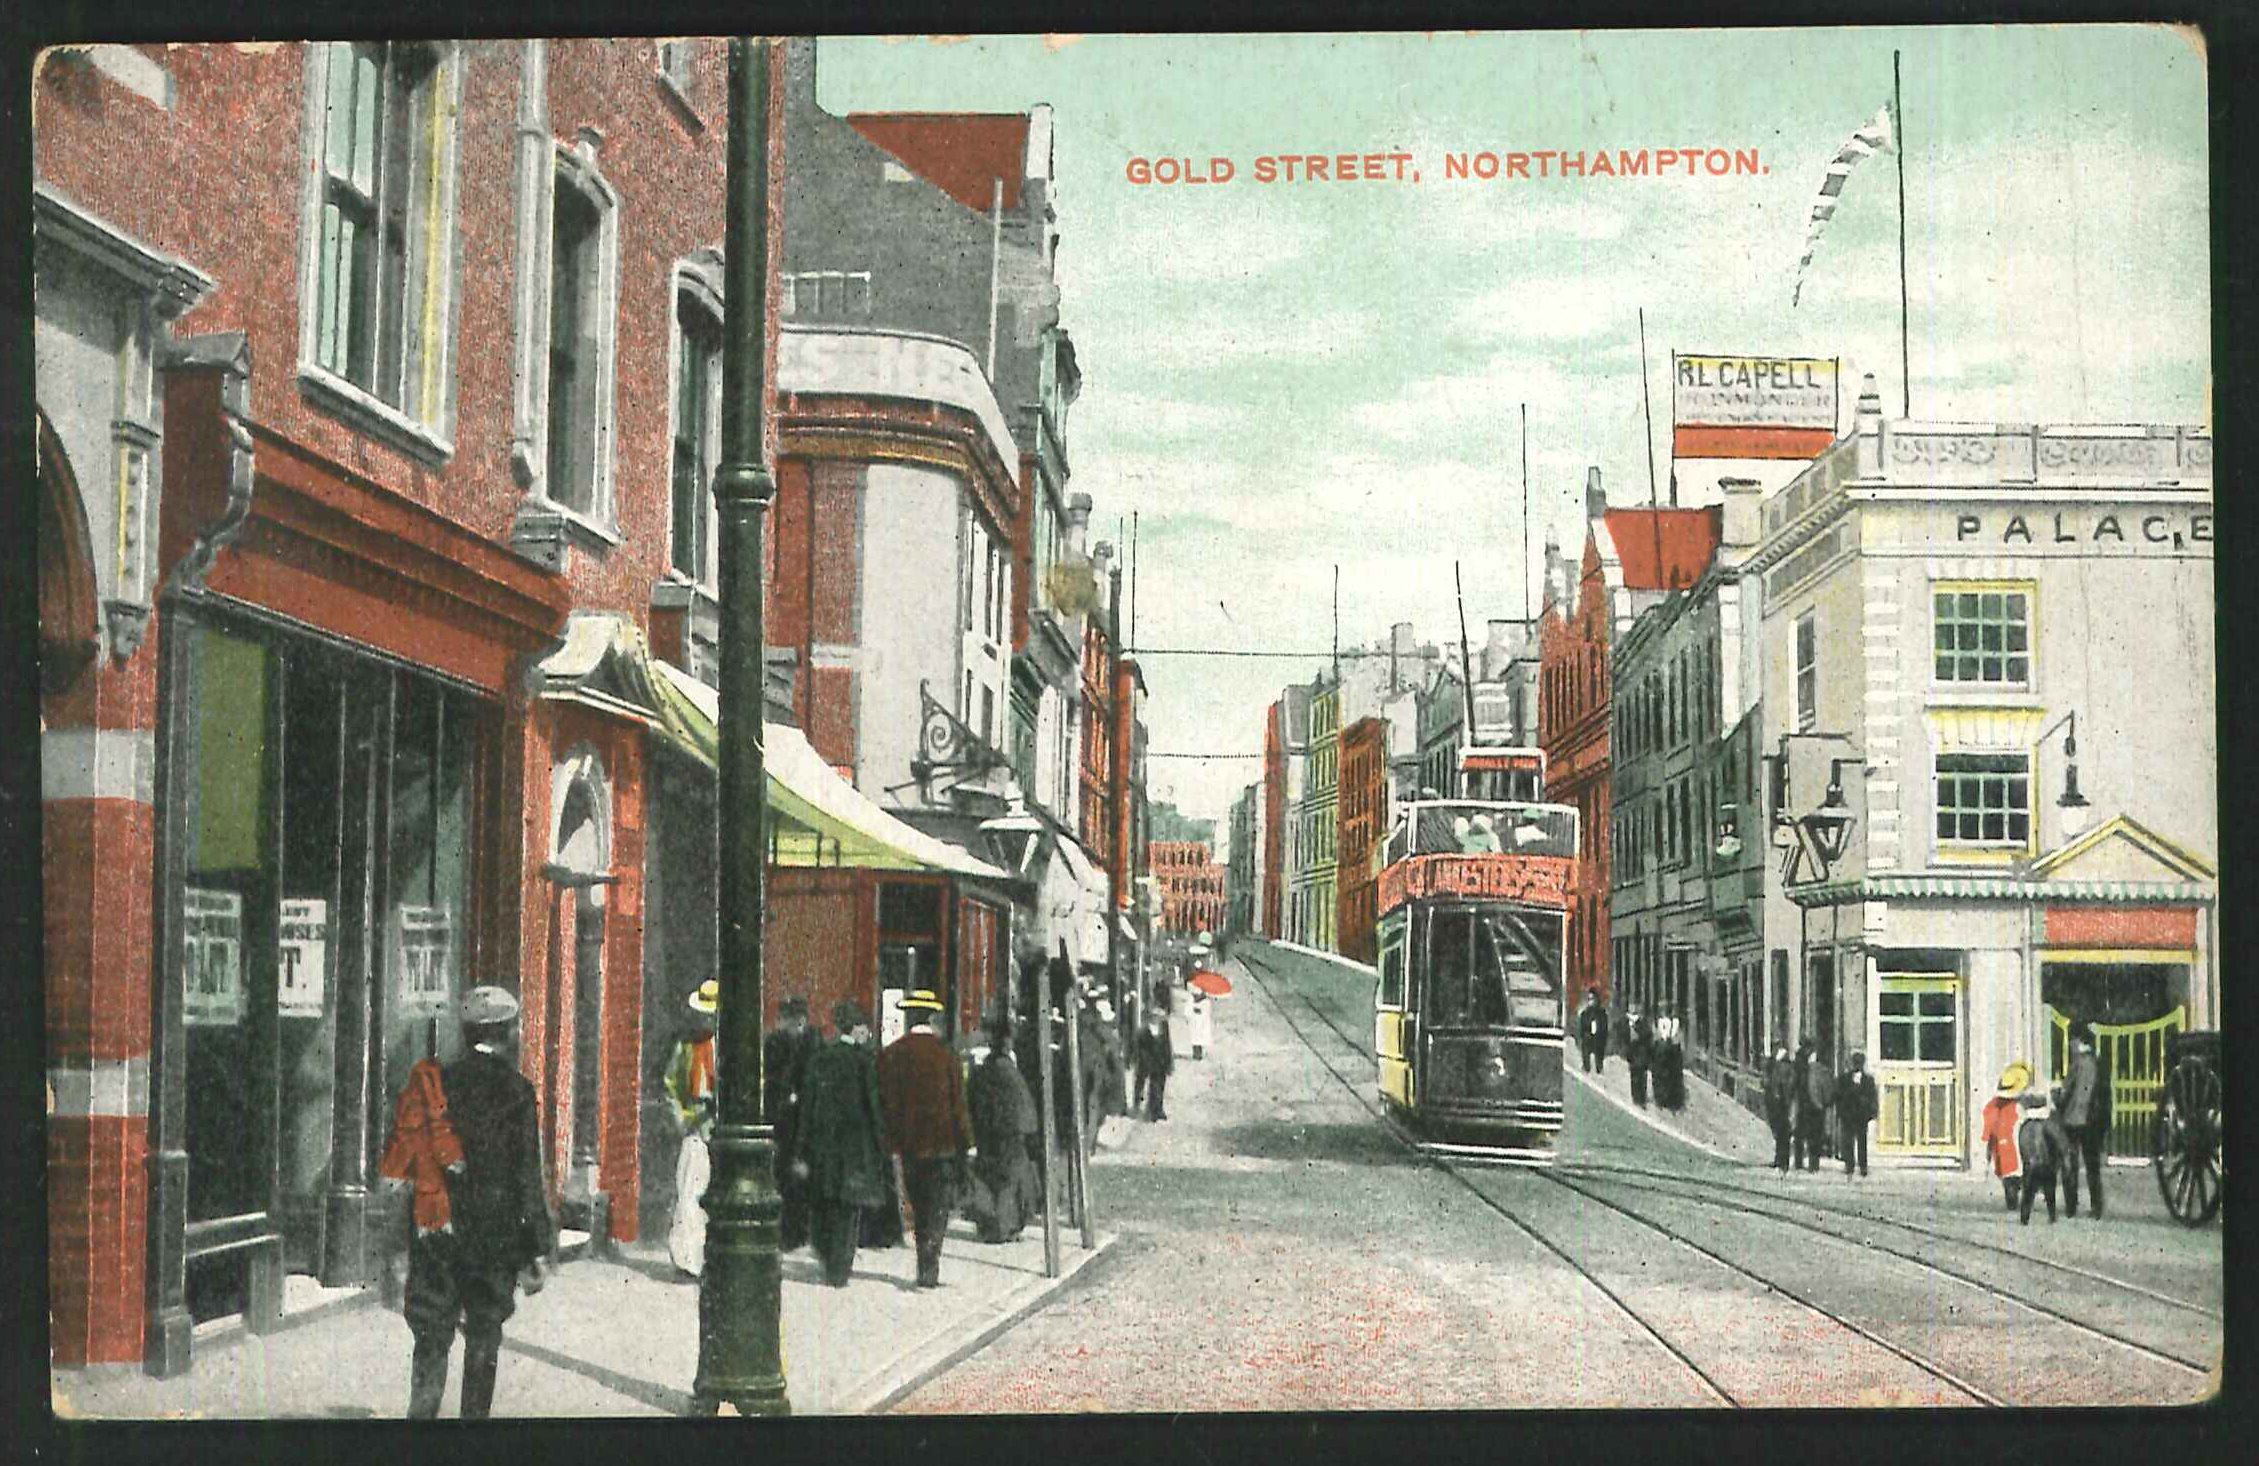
1445	1160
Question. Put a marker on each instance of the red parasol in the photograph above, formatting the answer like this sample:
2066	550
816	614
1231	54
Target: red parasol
1214	984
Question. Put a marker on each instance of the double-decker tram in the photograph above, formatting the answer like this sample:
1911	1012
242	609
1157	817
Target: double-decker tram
1470	1014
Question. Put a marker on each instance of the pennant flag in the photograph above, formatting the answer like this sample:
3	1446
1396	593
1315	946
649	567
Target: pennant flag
1864	143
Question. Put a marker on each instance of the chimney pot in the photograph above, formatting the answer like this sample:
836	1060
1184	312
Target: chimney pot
1595	496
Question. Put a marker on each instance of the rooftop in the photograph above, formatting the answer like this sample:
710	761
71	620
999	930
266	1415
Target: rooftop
964	154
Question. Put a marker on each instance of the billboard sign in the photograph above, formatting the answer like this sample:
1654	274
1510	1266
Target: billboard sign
1752	406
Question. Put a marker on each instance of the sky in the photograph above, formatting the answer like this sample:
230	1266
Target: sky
1279	379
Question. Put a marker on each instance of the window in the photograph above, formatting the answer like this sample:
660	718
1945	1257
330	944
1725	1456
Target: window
379	232
576	338
1984	798
1983	636
1807	673
826	294
1917	1023
698	395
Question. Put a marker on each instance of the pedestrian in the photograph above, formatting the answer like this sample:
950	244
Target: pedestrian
2085	1118
2044	1147
1639	1053
1007	1190
1097	1067
1815	1087
1156	1057
922	1098
836	1147
1856	1105
693	1090
784	1057
1780	1104
2001	1118
1199	1020
1669	1063
485	1232
1619	1030
1592	1031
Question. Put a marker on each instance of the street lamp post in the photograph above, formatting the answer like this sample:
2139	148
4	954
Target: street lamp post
740	1353
2072	803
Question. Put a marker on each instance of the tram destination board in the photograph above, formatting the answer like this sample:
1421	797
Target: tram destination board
1540	879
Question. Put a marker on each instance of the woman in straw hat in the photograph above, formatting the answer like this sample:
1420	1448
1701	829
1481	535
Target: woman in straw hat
691	1086
2001	1116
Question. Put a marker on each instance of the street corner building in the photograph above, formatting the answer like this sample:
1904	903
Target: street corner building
1991	649
1914	756
378	404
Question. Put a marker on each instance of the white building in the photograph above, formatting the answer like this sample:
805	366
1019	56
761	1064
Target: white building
1944	607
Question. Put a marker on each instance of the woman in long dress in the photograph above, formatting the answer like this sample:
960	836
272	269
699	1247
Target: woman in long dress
692	1086
1004	1116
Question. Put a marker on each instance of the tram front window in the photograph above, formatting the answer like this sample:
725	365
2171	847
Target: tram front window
1491	969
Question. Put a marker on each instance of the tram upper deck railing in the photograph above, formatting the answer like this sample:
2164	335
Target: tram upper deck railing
1472	827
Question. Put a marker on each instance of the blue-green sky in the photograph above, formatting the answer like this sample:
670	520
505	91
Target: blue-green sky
1282	378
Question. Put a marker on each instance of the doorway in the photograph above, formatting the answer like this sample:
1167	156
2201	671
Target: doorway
1919	1067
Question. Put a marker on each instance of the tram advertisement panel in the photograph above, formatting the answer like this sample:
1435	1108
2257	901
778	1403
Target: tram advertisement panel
1539	879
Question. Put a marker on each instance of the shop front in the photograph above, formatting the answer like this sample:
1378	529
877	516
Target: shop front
333	856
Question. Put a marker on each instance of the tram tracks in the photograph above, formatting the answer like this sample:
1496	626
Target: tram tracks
1744	1204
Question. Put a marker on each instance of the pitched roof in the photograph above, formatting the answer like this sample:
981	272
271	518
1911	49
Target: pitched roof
1662	548
961	153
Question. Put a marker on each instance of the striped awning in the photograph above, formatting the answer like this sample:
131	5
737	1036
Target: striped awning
1998	888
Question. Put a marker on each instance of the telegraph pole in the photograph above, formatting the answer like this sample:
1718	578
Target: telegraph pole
740	1325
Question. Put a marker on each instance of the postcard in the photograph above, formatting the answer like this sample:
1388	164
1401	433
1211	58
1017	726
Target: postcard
628	832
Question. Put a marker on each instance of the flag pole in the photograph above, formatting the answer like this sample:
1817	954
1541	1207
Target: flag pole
1898	129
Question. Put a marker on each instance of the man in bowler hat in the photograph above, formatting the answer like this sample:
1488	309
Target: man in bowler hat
466	1273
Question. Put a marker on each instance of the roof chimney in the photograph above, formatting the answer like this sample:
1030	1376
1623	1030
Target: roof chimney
1556	591
1595	497
1078	521
1741	524
1867	426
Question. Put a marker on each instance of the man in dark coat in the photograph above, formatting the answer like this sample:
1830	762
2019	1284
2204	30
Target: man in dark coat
1592	1031
1815	1087
1156	1058
922	1100
1008	1191
2085	1120
784	1054
836	1143
466	1274
1856	1105
1639	1052
1780	1104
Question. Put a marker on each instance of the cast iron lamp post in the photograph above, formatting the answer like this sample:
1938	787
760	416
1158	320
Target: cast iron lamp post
740	1353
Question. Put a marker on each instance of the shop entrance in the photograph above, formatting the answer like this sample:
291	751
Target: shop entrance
1919	1067
319	879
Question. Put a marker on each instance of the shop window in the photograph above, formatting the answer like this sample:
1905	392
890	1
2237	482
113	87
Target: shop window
380	235
697	415
1982	636
1984	799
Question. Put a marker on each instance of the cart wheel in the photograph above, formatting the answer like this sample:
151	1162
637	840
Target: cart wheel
2190	1172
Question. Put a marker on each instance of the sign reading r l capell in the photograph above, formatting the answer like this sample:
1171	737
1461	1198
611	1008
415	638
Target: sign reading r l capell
1752	406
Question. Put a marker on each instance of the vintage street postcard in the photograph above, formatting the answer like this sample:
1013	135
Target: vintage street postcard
627	830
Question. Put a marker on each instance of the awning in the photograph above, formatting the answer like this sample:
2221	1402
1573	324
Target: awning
822	819
1980	888
1079	910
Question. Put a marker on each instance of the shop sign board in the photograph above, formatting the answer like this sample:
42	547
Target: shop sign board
212	957
1541	880
1752	406
302	971
427	935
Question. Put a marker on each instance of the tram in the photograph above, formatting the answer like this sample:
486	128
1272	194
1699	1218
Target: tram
1469	1010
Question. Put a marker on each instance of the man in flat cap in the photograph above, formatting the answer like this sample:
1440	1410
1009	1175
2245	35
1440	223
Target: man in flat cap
922	1095
465	1274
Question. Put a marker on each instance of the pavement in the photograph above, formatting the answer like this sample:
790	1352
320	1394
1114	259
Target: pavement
1711	1123
609	1337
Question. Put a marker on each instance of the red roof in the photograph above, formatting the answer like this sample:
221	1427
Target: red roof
961	153
1662	548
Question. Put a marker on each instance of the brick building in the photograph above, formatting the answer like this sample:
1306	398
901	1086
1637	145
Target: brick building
357	541
1629	557
1192	886
1364	820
